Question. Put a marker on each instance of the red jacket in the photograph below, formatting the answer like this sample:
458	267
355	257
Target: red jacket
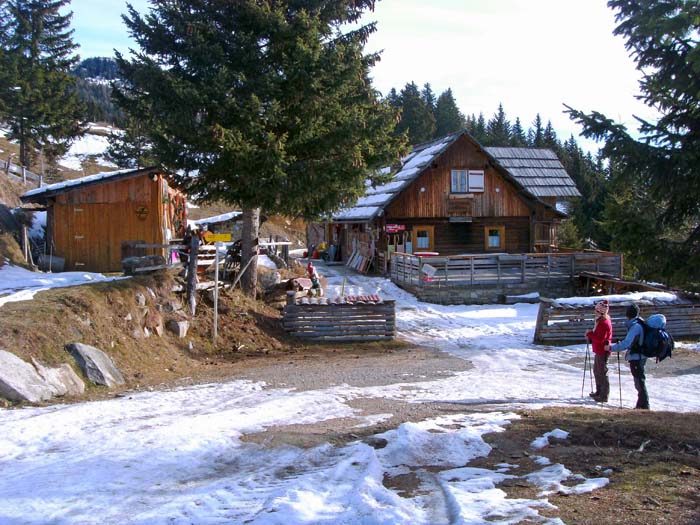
600	335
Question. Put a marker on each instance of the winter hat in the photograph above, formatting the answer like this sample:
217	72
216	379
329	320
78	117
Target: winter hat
602	307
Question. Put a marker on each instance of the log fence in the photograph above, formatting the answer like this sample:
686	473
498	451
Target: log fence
567	324
341	322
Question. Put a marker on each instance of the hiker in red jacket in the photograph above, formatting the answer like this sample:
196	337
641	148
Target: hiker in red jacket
600	336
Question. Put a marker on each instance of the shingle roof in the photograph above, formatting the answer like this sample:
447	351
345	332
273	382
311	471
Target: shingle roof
376	199
538	170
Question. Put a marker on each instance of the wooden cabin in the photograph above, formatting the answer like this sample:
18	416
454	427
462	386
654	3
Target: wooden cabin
90	218
453	196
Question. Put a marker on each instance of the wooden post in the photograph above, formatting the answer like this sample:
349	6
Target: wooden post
291	298
216	291
192	273
25	244
24	175
522	269
471	271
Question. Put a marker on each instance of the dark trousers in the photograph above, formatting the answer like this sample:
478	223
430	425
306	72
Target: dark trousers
600	372
637	369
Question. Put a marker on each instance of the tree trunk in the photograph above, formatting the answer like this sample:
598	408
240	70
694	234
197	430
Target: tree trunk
249	248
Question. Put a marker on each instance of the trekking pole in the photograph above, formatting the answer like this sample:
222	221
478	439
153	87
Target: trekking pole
590	369
619	380
585	366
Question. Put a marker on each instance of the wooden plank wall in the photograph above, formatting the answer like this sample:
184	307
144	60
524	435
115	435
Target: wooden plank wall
567	324
433	202
341	322
463	238
89	225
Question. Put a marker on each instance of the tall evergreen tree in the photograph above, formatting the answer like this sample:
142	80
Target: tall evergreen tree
518	139
658	175
480	133
130	147
448	118
41	106
535	136
394	99
549	138
270	103
498	129
417	121
428	97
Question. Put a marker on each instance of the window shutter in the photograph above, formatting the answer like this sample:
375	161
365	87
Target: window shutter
476	180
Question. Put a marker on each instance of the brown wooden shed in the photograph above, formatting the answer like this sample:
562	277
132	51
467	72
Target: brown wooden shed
90	218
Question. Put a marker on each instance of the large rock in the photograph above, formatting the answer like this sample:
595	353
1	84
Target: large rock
62	380
179	328
98	366
20	382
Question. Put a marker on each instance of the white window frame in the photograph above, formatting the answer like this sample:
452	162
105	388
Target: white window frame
467	181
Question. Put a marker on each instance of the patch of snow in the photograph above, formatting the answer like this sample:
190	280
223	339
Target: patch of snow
19	284
266	262
88	145
551	479
543	441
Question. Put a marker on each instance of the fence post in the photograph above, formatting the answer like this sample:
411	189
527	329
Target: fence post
192	274
24	175
471	271
522	269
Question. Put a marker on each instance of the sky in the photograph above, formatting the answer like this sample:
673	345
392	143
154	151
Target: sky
533	56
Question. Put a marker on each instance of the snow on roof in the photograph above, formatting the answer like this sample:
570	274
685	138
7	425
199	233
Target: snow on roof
67	184
216	218
413	165
538	171
619	298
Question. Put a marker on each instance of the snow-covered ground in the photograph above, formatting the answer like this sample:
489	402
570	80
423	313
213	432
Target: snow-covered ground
18	284
89	145
176	456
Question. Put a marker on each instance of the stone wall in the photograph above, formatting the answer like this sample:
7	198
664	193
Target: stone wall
487	293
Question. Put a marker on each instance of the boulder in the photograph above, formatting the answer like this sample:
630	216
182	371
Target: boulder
140	299
19	381
179	328
62	380
97	366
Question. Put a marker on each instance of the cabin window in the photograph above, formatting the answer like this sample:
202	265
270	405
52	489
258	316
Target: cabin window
495	237
467	181
423	238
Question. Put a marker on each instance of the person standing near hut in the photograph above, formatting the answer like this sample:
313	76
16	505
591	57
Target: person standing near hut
636	360
600	337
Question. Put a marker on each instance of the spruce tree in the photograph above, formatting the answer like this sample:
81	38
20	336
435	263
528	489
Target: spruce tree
41	106
498	129
428	97
549	138
518	139
535	136
658	174
130	147
417	121
448	118
269	103
480	130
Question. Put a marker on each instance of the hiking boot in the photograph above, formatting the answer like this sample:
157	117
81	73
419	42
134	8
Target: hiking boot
593	395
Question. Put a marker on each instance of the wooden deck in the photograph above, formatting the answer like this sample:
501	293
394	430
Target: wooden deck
499	269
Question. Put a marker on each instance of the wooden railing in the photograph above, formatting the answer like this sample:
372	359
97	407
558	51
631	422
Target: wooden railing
20	173
470	270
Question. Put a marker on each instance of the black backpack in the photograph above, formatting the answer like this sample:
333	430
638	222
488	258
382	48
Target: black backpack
658	342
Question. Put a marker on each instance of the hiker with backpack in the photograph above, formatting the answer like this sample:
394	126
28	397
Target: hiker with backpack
600	337
632	343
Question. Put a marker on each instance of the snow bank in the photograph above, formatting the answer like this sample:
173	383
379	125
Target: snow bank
619	298
18	284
